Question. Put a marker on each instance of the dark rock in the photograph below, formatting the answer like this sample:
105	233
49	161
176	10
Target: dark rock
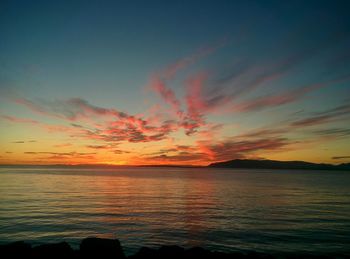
145	252
15	250
109	248
101	248
171	252
163	252
221	255
59	250
197	252
260	255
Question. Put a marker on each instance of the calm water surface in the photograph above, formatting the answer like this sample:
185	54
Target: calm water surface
221	209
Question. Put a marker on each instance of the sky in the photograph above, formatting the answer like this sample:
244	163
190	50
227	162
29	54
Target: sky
174	82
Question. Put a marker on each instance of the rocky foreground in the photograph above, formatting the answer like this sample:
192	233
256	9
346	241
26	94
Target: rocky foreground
111	248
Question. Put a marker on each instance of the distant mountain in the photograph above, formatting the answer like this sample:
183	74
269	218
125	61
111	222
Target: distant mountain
273	164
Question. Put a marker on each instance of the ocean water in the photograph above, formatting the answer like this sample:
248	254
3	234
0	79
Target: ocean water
221	209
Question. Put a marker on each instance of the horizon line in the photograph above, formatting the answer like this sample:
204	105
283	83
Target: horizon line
167	165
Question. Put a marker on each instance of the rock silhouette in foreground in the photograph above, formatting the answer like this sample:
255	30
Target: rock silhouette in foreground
101	248
59	250
111	248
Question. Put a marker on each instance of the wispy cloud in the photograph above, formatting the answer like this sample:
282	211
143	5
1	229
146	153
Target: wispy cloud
59	153
324	117
286	97
71	109
98	146
340	157
23	141
63	156
19	120
171	70
337	132
63	145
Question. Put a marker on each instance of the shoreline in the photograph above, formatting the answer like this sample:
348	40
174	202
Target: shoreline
93	247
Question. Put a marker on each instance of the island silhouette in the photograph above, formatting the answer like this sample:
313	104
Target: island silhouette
274	164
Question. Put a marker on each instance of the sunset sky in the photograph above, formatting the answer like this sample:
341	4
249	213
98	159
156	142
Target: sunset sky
174	82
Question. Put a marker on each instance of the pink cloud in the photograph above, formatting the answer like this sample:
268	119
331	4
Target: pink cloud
168	95
123	127
191	120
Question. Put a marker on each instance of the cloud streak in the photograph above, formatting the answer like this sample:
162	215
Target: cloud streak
289	96
327	116
340	157
18	120
71	109
23	141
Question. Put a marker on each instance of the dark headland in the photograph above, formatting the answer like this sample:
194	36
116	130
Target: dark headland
111	248
274	164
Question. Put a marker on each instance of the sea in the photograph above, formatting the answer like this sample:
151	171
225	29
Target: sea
270	211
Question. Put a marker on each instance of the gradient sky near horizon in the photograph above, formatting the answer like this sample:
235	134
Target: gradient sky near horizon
174	82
